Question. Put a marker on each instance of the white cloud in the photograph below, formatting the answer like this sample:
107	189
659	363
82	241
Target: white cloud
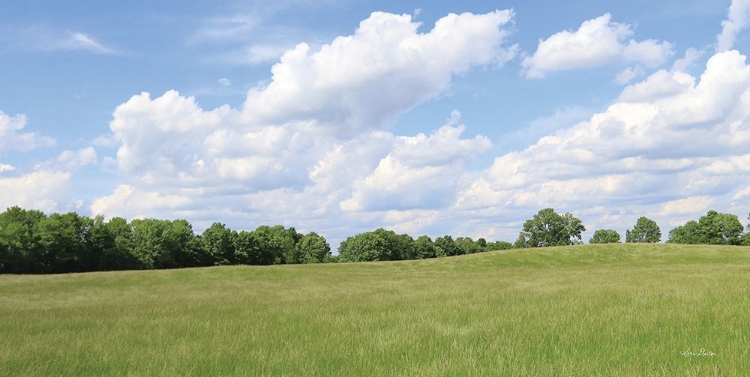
71	160
46	40
130	202
672	145
354	85
691	57
597	42
83	42
738	19
364	81
6	168
628	74
43	190
12	137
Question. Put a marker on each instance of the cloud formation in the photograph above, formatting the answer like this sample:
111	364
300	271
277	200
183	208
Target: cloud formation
738	19
12	136
597	42
672	139
313	142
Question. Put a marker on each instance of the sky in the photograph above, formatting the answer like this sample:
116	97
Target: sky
343	116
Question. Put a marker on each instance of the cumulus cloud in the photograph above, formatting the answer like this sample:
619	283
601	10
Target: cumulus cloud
738	19
130	202
12	136
6	167
673	141
597	42
364	81
71	160
419	172
313	145
353	86
44	190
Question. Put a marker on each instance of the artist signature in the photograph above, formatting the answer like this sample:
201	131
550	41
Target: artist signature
700	353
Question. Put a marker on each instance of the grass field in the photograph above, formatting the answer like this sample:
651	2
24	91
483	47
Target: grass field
615	310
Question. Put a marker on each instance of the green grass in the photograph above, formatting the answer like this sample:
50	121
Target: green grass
615	310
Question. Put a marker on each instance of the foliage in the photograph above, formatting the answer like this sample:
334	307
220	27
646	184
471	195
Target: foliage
714	228
644	231
605	236
547	228
313	248
32	242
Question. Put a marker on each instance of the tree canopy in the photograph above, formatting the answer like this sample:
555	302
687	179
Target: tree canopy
644	231
605	236
714	228
548	228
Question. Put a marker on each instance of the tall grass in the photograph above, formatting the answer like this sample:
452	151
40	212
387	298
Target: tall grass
614	310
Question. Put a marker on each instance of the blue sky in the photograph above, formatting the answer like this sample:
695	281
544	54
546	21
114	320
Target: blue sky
344	116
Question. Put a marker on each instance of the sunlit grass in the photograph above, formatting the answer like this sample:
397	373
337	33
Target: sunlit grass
616	310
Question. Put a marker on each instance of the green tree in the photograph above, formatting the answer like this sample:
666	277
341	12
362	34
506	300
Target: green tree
605	236
62	238
547	228
644	231
466	245
714	228
424	248
248	249
116	241
20	251
313	248
278	243
688	234
164	243
498	245
216	242
364	247
445	246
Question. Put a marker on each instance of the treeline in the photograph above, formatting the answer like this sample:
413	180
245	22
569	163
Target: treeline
32	242
386	245
548	228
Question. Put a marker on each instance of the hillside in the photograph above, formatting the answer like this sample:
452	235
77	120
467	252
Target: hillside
581	310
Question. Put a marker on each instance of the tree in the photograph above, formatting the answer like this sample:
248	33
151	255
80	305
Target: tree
445	246
714	228
364	247
498	245
687	234
424	248
20	251
248	250
644	231
467	246
313	248
117	241
547	228
605	236
216	242
63	240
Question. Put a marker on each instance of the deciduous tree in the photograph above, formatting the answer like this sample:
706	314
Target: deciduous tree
644	231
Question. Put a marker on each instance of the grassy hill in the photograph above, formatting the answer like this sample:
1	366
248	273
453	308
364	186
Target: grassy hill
616	310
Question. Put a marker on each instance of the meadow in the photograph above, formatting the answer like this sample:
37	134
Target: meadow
609	310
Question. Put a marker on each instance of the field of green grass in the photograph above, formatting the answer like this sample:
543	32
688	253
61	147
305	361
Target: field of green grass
609	310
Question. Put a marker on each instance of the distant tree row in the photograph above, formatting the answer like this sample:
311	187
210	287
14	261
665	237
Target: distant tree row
547	228
32	242
385	245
